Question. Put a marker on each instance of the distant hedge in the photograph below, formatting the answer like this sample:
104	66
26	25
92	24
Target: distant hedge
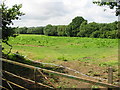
79	27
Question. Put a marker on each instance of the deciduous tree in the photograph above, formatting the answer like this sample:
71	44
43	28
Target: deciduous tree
111	3
73	27
8	15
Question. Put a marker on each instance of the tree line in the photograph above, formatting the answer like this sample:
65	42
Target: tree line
79	27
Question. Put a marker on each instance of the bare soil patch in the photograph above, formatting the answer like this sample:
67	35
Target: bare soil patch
92	70
30	45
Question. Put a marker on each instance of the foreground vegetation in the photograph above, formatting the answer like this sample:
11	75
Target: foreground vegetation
57	49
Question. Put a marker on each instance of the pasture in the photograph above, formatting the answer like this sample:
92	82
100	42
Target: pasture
91	56
56	49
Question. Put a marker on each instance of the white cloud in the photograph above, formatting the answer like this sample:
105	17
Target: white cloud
43	12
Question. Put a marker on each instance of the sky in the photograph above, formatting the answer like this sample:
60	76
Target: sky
60	12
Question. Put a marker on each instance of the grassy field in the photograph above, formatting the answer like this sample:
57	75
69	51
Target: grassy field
91	56
56	49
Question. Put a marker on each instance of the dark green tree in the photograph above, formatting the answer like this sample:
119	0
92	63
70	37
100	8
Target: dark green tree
61	30
112	5
50	30
87	29
47	29
8	15
82	32
73	27
23	30
95	34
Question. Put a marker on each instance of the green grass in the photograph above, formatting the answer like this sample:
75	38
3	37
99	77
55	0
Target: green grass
53	49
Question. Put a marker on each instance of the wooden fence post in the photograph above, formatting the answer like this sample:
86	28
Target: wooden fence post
110	75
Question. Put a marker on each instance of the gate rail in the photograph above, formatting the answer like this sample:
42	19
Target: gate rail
63	75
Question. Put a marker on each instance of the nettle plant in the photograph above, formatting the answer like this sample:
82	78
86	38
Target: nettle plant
111	3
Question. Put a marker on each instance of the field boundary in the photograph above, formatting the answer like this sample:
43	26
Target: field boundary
62	74
68	68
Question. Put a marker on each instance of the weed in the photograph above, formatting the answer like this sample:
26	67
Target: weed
95	86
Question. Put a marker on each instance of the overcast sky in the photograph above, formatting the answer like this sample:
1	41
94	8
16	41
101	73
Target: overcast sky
60	12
